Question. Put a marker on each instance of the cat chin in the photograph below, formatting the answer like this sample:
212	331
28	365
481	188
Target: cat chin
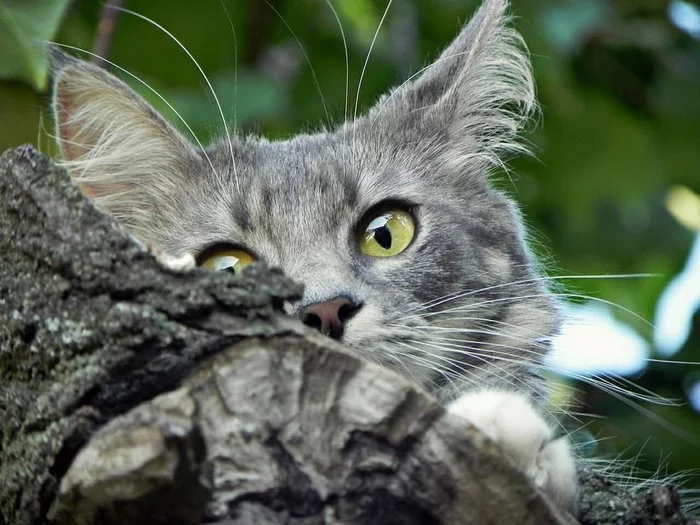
510	419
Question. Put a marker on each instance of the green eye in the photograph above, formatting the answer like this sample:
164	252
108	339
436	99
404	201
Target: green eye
387	233
226	259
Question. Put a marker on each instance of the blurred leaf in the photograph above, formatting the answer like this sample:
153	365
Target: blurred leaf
24	25
684	204
20	115
568	25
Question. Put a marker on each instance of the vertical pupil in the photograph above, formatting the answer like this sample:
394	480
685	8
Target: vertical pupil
383	237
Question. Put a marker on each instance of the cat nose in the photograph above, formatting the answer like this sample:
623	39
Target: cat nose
329	317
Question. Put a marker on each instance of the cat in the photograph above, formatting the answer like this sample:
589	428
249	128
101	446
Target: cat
408	253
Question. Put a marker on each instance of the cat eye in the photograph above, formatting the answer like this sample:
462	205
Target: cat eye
386	233
225	258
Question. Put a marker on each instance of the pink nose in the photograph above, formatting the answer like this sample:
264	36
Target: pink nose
329	317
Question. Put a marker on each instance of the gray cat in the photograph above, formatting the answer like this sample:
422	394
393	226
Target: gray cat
408	254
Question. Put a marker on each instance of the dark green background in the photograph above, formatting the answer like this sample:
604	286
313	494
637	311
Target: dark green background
619	86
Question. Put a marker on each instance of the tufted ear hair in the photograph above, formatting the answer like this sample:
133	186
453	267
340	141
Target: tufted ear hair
474	98
116	147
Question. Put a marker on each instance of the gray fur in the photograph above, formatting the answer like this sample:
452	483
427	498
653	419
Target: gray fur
296	204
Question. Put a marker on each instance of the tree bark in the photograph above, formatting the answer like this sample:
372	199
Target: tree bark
130	394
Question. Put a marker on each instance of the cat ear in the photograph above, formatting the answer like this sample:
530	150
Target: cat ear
475	97
116	147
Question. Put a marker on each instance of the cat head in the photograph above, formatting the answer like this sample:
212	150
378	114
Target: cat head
406	251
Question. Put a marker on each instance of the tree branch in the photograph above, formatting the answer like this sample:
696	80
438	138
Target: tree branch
129	394
105	29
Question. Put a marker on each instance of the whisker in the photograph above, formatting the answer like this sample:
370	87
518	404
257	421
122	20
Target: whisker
530	342
430	366
235	61
465	366
491	344
538	296
675	429
643	394
525	350
402	364
459	295
204	76
447	373
605	384
612	381
463	351
616	386
308	60
347	58
364	67
672	362
347	82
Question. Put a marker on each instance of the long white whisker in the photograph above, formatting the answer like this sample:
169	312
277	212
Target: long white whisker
612	385
489	344
308	60
347	81
235	62
646	412
464	366
488	302
430	364
347	58
672	362
364	67
459	295
606	382
392	354
603	382
527	341
476	329
476	355
641	393
204	76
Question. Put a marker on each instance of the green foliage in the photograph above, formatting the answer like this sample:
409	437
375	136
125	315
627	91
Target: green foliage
24	25
619	85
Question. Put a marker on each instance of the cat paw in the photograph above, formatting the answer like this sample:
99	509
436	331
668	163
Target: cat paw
178	264
510	420
172	263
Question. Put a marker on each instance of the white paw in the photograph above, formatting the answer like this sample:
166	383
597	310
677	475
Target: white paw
173	263
510	420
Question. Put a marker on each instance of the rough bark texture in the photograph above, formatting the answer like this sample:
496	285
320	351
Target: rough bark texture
129	394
